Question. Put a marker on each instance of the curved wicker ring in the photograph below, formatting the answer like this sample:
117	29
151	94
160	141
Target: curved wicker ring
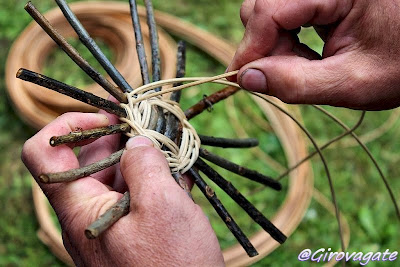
299	194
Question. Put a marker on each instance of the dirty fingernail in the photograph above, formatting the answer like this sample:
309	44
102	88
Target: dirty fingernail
253	80
138	141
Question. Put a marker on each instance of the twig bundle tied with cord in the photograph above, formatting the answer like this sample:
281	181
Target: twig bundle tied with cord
143	111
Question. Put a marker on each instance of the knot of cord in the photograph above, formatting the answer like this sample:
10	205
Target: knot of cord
139	110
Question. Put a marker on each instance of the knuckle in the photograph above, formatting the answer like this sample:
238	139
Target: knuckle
66	116
165	201
245	10
359	83
260	6
27	151
292	88
142	157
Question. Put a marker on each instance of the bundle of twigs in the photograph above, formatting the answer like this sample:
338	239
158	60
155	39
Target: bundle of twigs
162	122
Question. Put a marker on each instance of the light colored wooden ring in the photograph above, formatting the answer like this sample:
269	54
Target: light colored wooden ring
299	194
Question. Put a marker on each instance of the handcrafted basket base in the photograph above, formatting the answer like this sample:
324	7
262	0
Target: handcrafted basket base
300	189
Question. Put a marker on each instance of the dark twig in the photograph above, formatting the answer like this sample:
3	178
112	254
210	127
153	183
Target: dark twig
255	214
203	104
180	70
75	174
240	170
71	91
172	127
139	42
182	183
155	50
227	142
111	216
73	54
172	123
93	47
223	213
158	115
155	60
78	136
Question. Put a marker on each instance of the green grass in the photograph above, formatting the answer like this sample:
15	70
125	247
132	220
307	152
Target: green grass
361	195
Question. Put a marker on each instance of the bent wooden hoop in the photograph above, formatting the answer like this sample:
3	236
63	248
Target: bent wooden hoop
38	114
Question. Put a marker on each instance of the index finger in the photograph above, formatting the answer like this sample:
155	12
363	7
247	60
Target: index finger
269	18
39	157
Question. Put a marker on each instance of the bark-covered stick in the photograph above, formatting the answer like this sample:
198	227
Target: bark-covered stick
205	103
240	170
172	126
71	175
155	60
71	91
252	211
73	54
228	142
139	42
155	50
78	136
144	69
223	213
93	47
111	216
180	69
182	183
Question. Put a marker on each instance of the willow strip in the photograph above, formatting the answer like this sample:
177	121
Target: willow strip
365	148
323	160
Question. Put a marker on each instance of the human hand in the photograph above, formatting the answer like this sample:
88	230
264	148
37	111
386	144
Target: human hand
164	226
359	67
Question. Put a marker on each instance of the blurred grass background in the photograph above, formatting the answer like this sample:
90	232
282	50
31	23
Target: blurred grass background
361	195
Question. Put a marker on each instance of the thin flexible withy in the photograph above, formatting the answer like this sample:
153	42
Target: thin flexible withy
139	109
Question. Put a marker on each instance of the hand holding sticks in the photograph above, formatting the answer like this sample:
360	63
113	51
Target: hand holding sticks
168	125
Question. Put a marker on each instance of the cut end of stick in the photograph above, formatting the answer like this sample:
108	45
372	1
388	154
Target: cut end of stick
53	141
252	253
19	72
282	239
44	178
91	234
276	185
28	5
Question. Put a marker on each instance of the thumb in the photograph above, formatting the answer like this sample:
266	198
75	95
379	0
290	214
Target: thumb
297	80
144	168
